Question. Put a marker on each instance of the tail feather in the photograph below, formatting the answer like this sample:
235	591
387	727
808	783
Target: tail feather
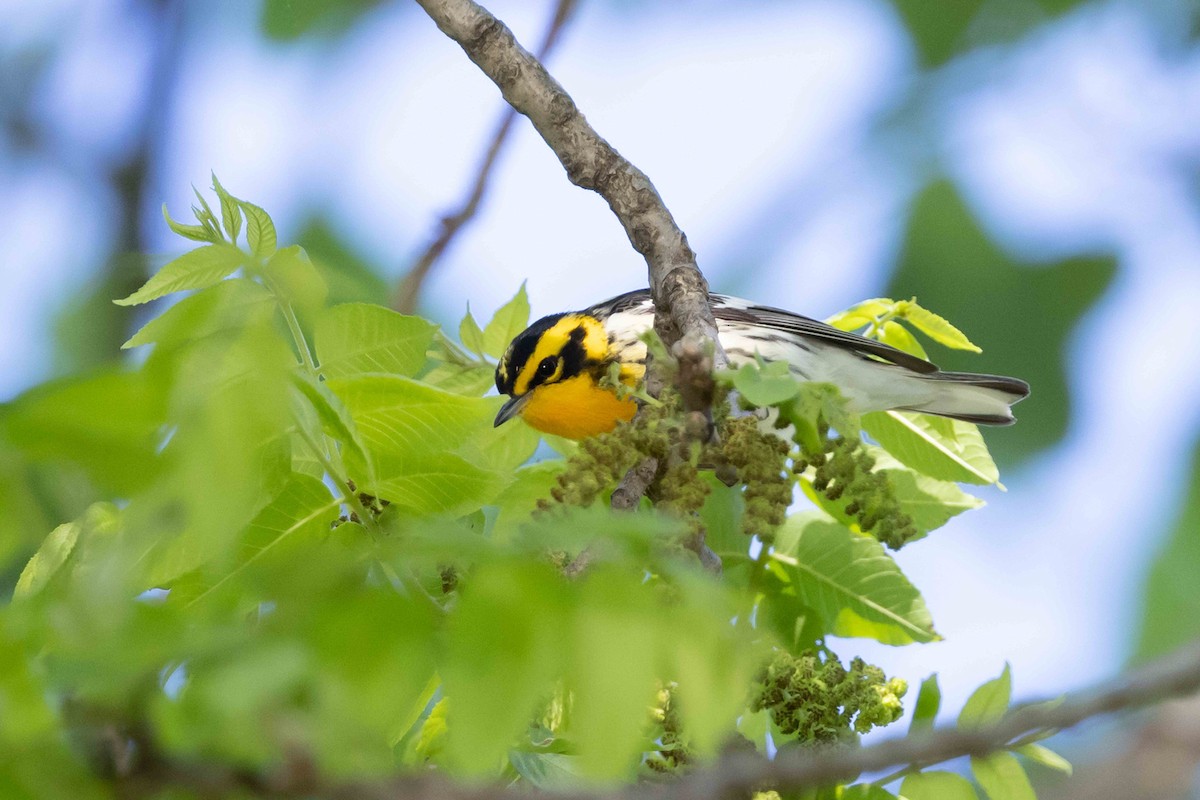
982	399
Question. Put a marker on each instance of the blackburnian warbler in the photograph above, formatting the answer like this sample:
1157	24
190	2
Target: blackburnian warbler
554	371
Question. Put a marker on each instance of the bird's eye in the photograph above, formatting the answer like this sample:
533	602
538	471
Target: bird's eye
547	367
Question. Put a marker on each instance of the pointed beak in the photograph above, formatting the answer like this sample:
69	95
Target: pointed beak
510	409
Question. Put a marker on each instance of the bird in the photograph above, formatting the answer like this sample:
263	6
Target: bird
554	370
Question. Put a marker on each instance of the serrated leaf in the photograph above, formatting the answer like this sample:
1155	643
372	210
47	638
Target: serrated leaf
935	327
930	503
205	215
260	230
510	319
988	703
765	385
231	212
470	334
197	233
195	269
945	449
1043	755
929	702
226	305
937	785
358	338
1002	777
851	581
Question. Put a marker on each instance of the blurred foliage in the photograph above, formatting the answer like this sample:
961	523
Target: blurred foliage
294	529
941	31
1171	612
348	275
290	19
1020	315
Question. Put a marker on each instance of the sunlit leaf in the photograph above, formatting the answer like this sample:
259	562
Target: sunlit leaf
929	702
195	269
355	338
1002	777
946	449
851	581
231	212
222	307
935	327
1040	754
988	703
470	334
260	230
937	785
510	319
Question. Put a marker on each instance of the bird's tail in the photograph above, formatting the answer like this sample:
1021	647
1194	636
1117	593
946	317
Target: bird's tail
971	397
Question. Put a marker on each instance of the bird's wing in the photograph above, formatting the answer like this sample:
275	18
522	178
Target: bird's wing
766	318
734	309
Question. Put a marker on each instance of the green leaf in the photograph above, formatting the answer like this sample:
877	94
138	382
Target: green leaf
291	19
765	385
929	702
930	503
195	269
108	422
616	640
935	327
198	233
48	560
1002	777
1043	755
851	581
470	334
937	785
546	770
510	319
231	212
260	230
418	438
471	381
356	338
335	419
504	647
221	307
504	448
520	498
988	703
861	314
946	449
898	336
293	278
722	517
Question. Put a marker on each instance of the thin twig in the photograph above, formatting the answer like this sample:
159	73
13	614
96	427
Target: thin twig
407	293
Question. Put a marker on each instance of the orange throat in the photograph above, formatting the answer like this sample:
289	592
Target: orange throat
576	408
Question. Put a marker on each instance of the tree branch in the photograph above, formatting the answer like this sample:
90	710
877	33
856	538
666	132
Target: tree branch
733	775
405	298
679	289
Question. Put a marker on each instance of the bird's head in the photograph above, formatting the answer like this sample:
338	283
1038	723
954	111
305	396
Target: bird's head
552	373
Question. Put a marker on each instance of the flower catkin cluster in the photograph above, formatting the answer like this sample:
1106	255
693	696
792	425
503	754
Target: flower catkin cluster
760	459
845	471
819	701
